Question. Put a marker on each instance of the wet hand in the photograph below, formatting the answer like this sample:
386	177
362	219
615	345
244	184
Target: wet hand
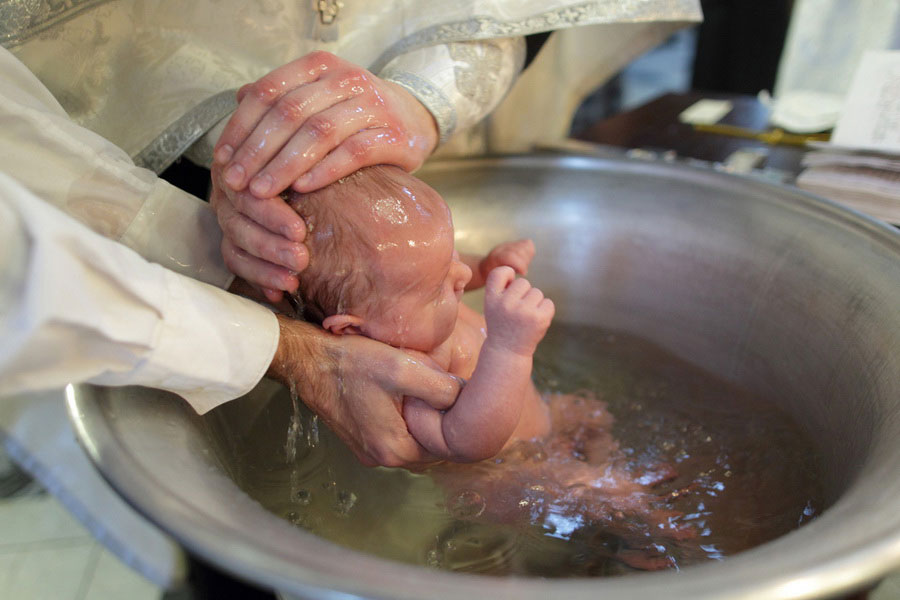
262	239
356	385
317	119
305	124
517	314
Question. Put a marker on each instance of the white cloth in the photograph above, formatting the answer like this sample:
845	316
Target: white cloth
94	181
577	61
76	306
825	42
131	69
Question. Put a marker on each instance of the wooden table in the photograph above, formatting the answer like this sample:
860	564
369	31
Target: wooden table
655	126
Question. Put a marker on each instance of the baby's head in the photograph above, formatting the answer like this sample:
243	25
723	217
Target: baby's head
382	262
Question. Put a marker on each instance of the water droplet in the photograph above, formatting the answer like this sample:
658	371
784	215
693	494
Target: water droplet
346	500
467	504
433	558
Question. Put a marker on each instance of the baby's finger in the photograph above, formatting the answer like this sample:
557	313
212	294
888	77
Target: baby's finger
256	270
547	308
498	279
533	297
524	252
517	261
518	289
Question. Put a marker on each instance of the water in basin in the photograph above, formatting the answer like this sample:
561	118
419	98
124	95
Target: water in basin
737	473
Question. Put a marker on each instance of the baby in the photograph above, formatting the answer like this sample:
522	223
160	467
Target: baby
383	265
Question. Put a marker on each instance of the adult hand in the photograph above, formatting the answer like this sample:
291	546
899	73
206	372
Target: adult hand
306	124
251	251
356	385
317	119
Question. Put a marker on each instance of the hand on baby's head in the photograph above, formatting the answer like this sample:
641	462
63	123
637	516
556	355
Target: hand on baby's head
517	314
516	254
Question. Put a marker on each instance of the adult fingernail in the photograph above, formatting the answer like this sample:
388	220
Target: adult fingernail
234	176
262	185
296	232
302	181
224	153
290	259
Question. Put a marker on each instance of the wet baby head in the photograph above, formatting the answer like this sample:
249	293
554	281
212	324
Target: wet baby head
382	261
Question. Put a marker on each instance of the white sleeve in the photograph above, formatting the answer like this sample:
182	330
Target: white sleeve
460	83
97	183
76	306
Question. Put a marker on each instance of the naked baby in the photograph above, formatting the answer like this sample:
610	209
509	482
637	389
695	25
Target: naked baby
383	264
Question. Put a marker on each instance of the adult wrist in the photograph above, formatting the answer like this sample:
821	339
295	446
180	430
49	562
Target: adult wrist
299	353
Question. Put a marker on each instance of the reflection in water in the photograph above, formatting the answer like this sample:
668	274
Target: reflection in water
652	464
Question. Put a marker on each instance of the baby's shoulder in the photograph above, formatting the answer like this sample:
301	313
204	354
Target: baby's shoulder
466	341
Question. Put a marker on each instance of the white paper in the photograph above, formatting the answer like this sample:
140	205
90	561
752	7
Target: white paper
705	112
871	116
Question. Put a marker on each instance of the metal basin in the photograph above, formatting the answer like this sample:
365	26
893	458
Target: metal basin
785	294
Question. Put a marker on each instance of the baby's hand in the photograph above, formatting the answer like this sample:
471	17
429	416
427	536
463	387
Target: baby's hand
517	254
517	314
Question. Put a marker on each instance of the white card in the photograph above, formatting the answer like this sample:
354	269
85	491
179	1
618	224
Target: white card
870	119
705	112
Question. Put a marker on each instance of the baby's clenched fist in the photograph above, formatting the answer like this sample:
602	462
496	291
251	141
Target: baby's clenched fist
517	314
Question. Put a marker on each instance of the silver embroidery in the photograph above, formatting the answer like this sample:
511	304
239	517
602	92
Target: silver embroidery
431	97
181	134
482	27
475	68
23	19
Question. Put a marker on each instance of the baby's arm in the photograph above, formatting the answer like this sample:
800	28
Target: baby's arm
499	398
516	254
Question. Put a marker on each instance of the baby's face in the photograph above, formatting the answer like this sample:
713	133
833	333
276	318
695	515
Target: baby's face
420	282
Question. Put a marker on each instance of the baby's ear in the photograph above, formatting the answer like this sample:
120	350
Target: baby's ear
343	324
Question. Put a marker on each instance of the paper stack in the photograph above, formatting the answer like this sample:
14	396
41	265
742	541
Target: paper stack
868	182
861	167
